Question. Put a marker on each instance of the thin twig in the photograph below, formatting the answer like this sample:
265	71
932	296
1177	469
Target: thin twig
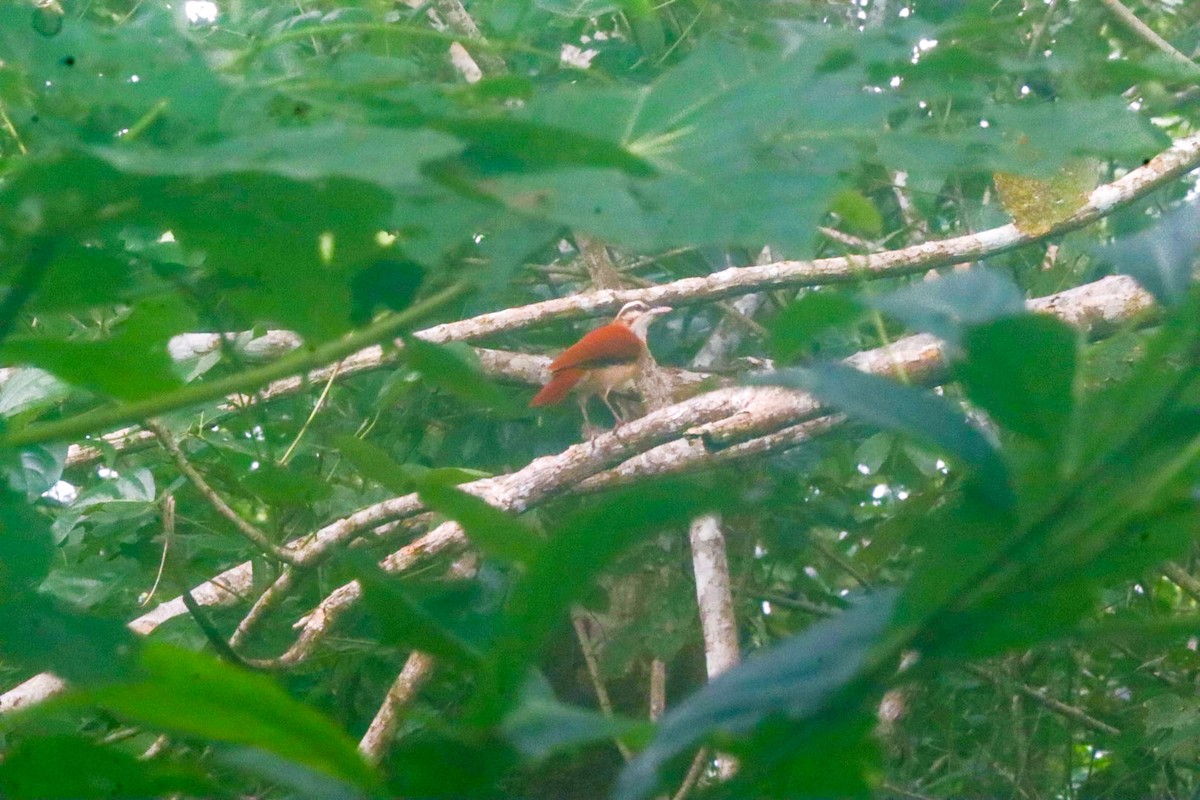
1147	34
588	647
694	773
287	455
270	598
658	688
248	531
1183	579
100	419
197	613
1039	696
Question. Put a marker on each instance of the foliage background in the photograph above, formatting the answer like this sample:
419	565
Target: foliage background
1020	538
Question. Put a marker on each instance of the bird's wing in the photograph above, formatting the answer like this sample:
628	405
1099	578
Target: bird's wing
608	344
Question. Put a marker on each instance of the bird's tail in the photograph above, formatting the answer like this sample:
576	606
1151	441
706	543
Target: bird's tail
559	386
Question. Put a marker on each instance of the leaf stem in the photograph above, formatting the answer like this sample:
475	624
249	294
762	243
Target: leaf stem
298	361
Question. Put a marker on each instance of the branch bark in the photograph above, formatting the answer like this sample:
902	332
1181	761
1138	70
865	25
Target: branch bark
720	425
1182	157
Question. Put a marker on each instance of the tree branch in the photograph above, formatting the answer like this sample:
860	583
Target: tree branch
1182	157
1147	34
297	361
417	669
720	425
248	531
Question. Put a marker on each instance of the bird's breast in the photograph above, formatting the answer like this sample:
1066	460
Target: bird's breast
609	377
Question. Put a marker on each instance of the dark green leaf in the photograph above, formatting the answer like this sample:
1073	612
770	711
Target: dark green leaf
796	679
40	634
406	621
795	329
1161	258
193	694
26	546
30	389
946	305
563	572
904	409
1021	370
65	767
373	462
316	152
540	726
33	470
131	364
453	367
740	157
388	283
302	780
495	532
280	486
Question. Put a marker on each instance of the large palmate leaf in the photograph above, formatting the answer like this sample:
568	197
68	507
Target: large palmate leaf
748	146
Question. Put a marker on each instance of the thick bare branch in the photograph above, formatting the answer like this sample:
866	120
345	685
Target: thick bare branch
1180	158
382	730
736	422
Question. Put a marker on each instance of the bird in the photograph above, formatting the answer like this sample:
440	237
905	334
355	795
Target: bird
605	359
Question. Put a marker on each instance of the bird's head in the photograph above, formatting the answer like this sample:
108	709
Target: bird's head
637	316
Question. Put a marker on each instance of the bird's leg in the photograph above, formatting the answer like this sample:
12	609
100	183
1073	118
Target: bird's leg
588	431
616	416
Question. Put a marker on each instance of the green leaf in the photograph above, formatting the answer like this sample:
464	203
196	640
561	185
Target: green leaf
1109	417
797	679
495	532
454	368
132	364
740	156
563	572
390	283
300	779
904	409
1043	137
1034	139
797	327
540	726
33	470
193	694
26	547
375	463
408	622
315	152
280	486
1021	370
945	306
1160	258
287	252
40	634
65	767
30	389
857	212
79	78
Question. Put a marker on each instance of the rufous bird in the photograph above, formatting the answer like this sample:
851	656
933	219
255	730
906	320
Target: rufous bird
605	359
